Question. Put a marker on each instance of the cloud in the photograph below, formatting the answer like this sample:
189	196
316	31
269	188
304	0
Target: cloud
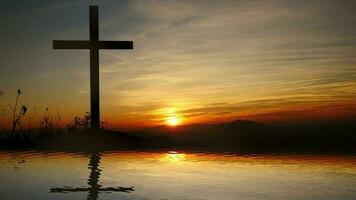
195	54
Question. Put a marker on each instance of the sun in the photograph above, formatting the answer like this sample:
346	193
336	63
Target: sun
173	121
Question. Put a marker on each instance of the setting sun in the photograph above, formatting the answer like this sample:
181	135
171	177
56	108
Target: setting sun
173	121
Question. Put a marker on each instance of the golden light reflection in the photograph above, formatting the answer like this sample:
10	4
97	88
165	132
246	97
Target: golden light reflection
174	156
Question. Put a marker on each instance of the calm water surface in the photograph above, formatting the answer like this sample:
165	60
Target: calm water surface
174	175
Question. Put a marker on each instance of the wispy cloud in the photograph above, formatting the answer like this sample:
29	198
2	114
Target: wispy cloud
273	54
244	55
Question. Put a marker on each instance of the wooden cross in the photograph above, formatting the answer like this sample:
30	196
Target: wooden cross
93	180
94	45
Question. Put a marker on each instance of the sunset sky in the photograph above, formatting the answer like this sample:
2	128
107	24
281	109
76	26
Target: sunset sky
196	61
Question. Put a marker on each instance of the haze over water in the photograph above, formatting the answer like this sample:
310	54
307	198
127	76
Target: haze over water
177	175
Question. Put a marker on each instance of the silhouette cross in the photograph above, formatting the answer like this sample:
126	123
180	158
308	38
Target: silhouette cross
93	180
94	45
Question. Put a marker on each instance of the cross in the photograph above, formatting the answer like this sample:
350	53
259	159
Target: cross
95	188
94	44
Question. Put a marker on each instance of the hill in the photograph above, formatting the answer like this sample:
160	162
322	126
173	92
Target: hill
237	136
250	135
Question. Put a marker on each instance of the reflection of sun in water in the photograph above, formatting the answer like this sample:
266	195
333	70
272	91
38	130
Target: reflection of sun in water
173	121
174	156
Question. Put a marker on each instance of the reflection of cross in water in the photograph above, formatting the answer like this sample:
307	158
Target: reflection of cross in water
93	180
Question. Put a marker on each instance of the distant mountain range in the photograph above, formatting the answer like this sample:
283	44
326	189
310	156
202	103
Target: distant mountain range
243	134
237	136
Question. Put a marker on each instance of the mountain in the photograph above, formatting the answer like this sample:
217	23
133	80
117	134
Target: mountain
243	134
236	136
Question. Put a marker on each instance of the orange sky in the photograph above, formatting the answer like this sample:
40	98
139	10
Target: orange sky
196	62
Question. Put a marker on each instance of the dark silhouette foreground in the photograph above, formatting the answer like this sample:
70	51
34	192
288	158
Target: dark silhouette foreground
236	136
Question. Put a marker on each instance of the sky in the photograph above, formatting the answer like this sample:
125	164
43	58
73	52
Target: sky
197	61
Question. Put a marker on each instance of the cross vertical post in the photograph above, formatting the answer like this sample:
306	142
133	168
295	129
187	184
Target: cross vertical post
94	67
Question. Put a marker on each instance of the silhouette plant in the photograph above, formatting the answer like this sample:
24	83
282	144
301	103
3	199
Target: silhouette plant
104	124
81	122
2	118
46	124
49	123
2	114
84	122
32	118
17	115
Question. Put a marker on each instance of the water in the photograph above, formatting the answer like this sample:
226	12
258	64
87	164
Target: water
174	176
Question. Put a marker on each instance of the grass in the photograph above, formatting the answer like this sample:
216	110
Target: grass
13	128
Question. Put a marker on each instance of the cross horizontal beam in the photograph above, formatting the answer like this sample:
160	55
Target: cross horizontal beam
112	189
115	44
71	44
84	44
